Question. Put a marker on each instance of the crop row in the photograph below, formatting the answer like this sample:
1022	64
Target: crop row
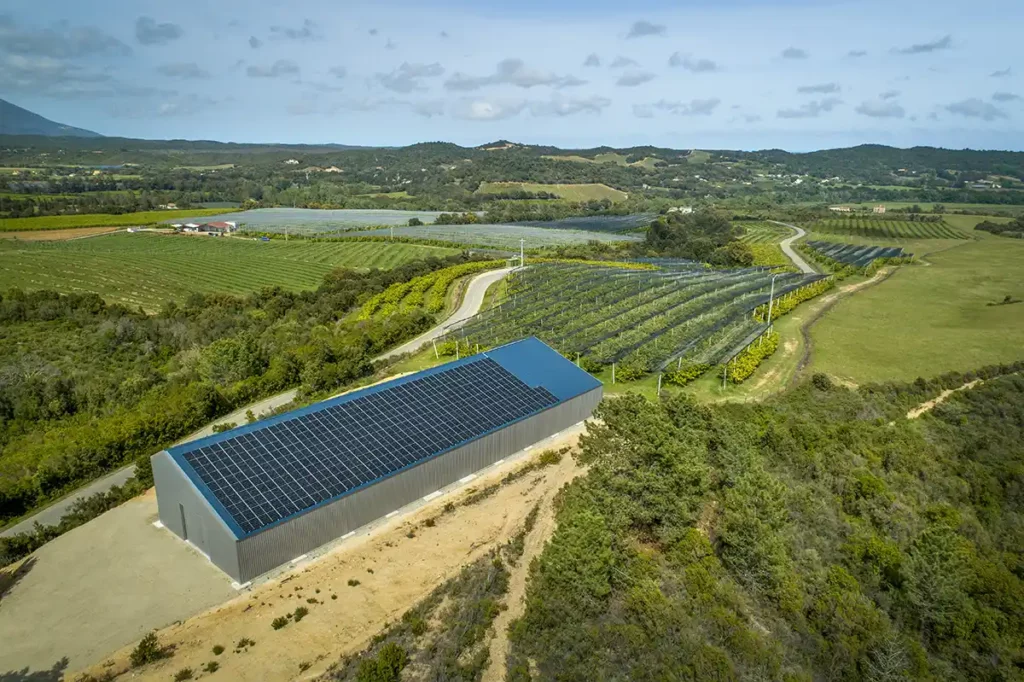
892	229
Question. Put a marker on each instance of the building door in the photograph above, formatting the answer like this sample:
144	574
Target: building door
184	528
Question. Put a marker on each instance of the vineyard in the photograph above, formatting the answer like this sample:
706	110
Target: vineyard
854	255
887	229
426	291
148	269
761	232
497	236
64	222
641	321
313	221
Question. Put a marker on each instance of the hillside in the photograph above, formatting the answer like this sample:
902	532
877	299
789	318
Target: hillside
17	121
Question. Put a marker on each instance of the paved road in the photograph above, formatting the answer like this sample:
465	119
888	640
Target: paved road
787	248
471	302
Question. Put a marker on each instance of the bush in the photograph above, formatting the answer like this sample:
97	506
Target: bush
245	642
211	667
183	674
218	650
430	523
147	651
279	622
822	382
352	582
386	667
301	613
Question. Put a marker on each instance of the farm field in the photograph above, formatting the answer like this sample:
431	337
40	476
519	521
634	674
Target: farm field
924	321
63	222
597	223
606	157
642	320
856	255
763	232
312	221
58	235
982	209
498	236
890	229
584	192
146	269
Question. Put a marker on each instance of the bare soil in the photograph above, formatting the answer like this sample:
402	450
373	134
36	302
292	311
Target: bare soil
396	564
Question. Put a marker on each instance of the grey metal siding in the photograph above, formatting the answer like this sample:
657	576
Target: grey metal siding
280	544
206	530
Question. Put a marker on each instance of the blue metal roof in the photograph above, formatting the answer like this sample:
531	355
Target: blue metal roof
330	449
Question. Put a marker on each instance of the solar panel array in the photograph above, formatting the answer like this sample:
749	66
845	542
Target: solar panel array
267	474
857	256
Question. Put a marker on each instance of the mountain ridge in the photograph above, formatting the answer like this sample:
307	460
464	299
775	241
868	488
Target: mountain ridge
15	120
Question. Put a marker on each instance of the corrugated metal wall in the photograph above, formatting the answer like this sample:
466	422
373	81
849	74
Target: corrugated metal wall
176	494
280	544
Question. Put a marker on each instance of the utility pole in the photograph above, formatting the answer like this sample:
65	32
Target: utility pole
770	297
522	252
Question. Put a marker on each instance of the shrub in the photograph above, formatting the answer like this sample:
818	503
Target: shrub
279	622
334	596
147	651
821	381
386	667
430	523
449	506
304	666
211	667
301	613
549	457
244	642
352	582
183	674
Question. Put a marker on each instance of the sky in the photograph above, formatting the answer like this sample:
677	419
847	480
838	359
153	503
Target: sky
712	74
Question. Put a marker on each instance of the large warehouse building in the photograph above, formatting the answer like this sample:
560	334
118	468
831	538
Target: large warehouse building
260	495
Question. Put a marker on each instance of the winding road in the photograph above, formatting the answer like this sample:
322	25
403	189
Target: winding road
787	248
471	302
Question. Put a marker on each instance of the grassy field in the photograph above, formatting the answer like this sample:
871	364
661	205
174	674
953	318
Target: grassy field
891	229
925	206
147	269
63	222
586	192
929	319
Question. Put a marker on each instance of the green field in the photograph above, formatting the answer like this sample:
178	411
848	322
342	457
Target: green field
884	228
147	269
929	319
761	232
586	192
63	222
1011	209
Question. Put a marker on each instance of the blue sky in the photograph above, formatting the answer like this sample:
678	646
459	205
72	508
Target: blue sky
744	74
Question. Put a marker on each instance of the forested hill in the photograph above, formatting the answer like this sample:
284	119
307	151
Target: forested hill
17	121
821	535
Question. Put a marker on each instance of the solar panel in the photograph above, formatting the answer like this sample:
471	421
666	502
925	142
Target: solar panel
269	473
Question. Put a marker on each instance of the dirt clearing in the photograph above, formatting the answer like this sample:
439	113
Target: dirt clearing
354	590
102	586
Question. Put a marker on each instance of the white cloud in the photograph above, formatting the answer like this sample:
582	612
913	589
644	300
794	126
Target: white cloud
149	32
943	43
282	67
889	94
811	109
62	42
976	108
561	106
633	78
881	109
511	72
695	107
821	88
308	31
642	28
592	60
622	62
487	110
183	70
692	65
1005	97
794	53
408	77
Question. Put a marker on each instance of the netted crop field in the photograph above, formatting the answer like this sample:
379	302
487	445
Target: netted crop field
642	320
857	256
597	223
498	236
762	232
148	269
312	221
888	229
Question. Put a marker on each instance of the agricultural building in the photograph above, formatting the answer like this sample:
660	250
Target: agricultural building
256	497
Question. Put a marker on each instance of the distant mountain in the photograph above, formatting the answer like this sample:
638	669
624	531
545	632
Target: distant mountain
17	121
